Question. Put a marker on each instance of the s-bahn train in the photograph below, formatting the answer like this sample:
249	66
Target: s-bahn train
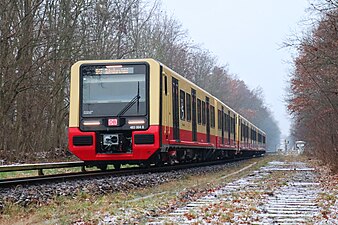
139	111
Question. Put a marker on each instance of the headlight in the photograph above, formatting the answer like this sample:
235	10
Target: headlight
136	122
91	122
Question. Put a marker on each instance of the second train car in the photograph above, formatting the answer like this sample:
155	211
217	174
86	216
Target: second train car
139	111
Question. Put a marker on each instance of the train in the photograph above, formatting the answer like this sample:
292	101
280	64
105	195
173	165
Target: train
139	111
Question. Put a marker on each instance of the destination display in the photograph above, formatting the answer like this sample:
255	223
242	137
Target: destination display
114	70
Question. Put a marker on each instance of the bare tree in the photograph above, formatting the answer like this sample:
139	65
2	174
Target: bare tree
41	39
314	86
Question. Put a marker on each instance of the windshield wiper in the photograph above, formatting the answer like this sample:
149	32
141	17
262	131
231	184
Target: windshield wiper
132	102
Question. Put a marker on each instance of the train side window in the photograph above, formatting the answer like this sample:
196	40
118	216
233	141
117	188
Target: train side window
247	132
212	111
244	131
188	100
182	105
219	119
225	122
199	111
165	85
259	138
252	136
229	123
203	113
232	125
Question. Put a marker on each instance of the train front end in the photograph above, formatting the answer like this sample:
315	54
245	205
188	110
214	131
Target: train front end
114	111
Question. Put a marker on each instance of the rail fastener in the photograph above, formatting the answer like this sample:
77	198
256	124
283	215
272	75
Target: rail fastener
41	166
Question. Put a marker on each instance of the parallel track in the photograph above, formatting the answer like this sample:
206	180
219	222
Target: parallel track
92	174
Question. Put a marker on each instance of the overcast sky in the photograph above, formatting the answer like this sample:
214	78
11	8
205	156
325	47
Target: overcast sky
247	35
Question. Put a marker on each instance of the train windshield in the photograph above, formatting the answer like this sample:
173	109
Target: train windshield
113	90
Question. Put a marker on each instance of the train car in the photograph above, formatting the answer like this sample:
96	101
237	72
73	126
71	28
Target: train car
139	111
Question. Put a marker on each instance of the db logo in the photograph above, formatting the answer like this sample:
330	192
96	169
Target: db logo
112	122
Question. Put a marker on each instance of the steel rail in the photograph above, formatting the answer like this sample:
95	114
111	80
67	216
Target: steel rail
61	177
122	172
22	167
41	166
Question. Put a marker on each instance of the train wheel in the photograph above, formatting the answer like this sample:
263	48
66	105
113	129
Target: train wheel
172	160
145	165
172	157
158	160
117	166
102	167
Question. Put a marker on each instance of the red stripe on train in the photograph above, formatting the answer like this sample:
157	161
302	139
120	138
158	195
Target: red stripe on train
144	151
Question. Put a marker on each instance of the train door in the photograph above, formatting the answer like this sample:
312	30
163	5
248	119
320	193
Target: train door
237	135
239	131
208	118
222	121
193	121
165	106
234	128
229	127
176	122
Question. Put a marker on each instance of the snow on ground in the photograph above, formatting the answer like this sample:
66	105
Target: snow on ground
279	193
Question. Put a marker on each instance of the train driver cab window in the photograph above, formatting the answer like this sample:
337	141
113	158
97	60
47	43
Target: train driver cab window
182	105
199	111
113	90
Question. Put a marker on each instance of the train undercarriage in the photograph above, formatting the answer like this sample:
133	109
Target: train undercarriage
173	156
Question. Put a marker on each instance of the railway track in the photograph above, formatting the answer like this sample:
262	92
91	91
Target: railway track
294	202
10	182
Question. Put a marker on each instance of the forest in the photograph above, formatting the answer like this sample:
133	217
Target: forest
313	99
41	39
